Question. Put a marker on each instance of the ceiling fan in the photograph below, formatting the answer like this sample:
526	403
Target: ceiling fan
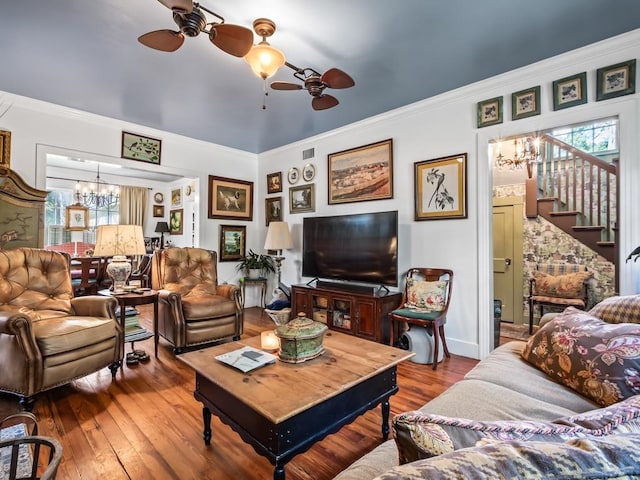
315	83
188	15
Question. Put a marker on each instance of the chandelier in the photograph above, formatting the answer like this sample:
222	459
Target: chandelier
97	193
526	151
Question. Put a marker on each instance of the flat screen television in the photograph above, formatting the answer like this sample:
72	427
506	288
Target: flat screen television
357	248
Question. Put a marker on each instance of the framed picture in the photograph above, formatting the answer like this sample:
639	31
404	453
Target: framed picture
232	241
143	149
158	210
158	197
77	218
175	221
308	172
5	150
570	91
274	182
362	173
616	80
293	175
441	188
490	112
176	197
302	199
190	190
525	103
230	199
273	209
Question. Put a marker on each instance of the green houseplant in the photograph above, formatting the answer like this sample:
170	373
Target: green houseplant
256	261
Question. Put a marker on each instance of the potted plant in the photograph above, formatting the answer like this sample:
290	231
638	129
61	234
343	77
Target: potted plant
255	265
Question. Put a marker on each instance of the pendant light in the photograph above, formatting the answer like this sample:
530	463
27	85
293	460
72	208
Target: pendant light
264	59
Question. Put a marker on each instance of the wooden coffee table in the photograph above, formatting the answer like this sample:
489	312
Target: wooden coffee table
282	409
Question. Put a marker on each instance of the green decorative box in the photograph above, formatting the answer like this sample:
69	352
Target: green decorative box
300	339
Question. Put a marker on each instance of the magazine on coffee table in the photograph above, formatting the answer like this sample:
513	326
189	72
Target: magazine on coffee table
246	359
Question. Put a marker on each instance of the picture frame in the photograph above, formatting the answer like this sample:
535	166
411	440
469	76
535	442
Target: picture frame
490	112
302	198
293	175
232	240
361	174
229	198
176	221
274	182
5	151
441	188
77	218
141	148
570	91
158	211
308	172
616	80
158	197
273	209
176	197
525	103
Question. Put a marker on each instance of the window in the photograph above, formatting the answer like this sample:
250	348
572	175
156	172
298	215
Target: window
599	137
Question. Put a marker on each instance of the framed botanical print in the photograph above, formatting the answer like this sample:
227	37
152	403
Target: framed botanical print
77	218
616	80
176	197
232	240
490	112
525	103
440	188
570	91
175	221
138	147
230	198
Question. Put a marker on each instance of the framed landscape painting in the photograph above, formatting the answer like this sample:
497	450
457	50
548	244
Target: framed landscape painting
440	188
361	174
232	240
230	198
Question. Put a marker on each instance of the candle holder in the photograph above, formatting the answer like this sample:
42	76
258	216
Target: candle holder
269	342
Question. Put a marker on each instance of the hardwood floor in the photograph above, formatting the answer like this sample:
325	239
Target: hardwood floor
147	425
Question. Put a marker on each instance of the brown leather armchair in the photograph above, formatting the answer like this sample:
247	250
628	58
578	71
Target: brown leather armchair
192	308
47	337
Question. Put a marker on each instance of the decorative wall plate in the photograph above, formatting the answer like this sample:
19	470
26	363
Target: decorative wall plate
293	175
309	172
158	197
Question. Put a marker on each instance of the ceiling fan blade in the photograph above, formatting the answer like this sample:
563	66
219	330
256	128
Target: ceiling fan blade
323	102
336	78
286	86
163	40
232	39
180	6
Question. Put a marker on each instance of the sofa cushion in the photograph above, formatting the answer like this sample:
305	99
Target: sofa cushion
59	335
426	295
623	309
207	306
419	435
612	457
570	285
595	358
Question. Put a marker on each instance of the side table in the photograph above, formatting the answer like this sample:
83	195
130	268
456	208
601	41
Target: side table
131	300
257	282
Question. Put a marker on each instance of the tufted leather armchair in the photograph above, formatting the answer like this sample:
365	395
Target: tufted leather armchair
47	337
192	308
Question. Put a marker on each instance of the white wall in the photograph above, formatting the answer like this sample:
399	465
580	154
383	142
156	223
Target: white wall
446	125
440	126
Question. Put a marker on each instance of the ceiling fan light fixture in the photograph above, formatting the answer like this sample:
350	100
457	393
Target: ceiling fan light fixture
264	59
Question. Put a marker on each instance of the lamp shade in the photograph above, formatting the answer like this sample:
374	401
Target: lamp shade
264	59
119	240
278	236
162	227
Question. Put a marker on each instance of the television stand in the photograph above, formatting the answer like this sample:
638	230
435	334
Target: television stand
346	286
347	310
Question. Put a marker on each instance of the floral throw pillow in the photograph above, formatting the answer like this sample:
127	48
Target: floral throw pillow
426	296
570	285
597	359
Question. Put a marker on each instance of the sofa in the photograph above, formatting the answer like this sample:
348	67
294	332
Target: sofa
530	407
47	337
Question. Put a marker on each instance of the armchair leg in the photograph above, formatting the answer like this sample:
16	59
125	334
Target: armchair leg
27	403
530	316
114	368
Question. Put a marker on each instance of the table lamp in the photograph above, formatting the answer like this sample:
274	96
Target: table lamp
162	228
119	241
278	239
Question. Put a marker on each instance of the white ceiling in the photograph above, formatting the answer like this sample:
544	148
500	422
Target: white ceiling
85	55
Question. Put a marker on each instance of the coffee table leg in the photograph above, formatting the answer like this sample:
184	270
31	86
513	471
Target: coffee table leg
278	472
385	419
206	419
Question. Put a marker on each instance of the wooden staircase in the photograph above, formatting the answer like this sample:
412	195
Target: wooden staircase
577	192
